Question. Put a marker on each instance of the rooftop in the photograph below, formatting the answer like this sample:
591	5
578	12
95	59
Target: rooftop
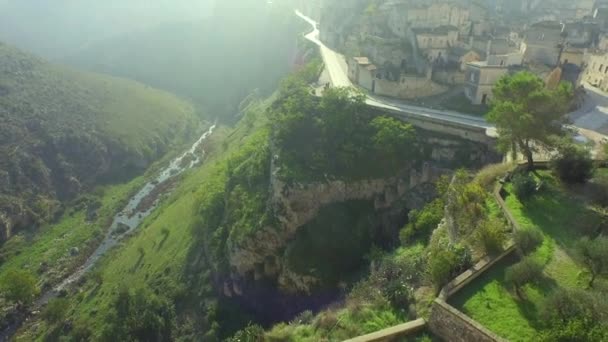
362	60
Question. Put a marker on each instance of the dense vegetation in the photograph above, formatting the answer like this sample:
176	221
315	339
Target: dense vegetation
64	131
337	137
158	283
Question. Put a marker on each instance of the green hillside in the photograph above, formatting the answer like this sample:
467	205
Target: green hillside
64	131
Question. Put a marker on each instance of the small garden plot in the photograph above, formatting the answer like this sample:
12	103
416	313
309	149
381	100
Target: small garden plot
562	215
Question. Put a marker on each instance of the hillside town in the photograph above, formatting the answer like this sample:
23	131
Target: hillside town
412	49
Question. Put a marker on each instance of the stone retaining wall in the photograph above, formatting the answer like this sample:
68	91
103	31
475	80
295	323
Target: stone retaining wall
454	326
392	333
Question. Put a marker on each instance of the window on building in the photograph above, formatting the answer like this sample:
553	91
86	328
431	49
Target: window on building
601	67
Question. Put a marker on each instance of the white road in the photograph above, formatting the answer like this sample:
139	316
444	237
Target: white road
336	66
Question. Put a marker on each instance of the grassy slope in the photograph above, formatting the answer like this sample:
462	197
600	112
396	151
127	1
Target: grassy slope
558	215
53	241
165	257
131	113
65	131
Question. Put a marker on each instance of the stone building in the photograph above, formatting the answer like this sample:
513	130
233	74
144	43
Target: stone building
362	72
393	83
434	43
480	78
542	43
596	72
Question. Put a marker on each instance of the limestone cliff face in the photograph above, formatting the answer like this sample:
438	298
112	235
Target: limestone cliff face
259	256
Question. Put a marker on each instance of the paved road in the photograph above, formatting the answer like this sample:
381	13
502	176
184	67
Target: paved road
337	69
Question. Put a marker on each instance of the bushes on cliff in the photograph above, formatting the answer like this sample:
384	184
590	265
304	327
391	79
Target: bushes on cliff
138	315
336	136
490	237
445	259
447	263
422	223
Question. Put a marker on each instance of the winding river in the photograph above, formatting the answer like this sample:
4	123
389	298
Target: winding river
125	222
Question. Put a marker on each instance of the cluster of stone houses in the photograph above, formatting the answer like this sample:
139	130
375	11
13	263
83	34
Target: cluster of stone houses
417	48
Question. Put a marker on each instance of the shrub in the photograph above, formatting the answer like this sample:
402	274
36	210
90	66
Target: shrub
326	320
251	333
139	315
55	310
446	263
422	223
19	286
528	240
491	237
573	164
524	272
524	185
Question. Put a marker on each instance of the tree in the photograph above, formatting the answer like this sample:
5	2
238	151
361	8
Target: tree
528	240
594	255
574	315
139	316
55	310
395	139
524	272
527	114
19	286
573	163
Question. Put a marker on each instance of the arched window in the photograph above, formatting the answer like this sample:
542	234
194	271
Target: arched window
601	67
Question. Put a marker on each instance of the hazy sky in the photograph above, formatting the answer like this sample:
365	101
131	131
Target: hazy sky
55	28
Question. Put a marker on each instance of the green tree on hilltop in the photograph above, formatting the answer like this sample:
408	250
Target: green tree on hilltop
527	114
394	138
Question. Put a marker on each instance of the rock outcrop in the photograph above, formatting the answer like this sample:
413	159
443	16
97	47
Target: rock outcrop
259	256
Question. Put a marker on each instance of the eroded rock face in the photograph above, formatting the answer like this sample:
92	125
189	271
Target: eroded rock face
259	256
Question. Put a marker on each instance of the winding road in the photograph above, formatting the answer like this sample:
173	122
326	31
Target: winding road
335	65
